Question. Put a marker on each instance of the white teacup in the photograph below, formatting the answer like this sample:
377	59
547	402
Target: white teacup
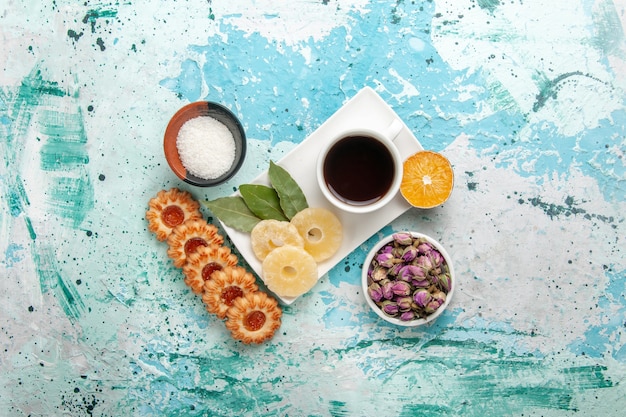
360	170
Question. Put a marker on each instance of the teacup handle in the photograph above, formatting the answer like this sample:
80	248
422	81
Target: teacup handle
393	130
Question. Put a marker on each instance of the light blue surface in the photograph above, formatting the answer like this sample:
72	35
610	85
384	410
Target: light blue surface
527	101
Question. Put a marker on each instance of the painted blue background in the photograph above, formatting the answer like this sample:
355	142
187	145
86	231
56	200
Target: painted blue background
97	321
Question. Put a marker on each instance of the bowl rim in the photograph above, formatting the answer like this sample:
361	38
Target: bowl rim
393	320
188	112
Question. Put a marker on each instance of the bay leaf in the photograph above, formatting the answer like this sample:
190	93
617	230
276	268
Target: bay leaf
292	199
233	212
263	201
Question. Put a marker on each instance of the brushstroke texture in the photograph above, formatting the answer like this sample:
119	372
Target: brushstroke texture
95	319
40	105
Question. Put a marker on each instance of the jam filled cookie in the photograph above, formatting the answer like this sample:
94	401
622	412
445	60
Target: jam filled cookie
186	238
206	260
225	286
170	209
253	318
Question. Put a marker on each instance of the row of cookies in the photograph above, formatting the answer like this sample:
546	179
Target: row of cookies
210	269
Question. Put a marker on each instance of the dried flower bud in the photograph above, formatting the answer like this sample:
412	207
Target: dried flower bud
410	253
404	303
420	283
438	298
432	306
436	259
403	238
389	307
386	249
408	316
411	272
422	297
444	282
395	270
434	272
379	273
375	292
424	262
387	289
439	295
385	259
424	247
401	288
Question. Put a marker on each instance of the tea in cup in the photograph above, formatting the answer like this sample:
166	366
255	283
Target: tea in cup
360	170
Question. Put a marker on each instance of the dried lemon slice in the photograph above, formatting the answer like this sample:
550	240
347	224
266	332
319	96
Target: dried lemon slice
268	235
427	179
289	271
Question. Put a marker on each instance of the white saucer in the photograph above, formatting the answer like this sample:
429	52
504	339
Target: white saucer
366	109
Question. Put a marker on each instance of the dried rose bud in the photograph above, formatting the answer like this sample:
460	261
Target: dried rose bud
375	292
424	247
410	253
424	262
408	316
411	272
403	238
436	259
434	272
387	289
385	259
401	288
444	282
397	253
420	283
422	297
432	306
438	298
404	303
395	270
439	295
389	307
379	273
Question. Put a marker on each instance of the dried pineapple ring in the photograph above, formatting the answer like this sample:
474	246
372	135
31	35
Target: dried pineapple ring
289	271
225	286
268	235
254	318
206	260
187	237
169	209
321	230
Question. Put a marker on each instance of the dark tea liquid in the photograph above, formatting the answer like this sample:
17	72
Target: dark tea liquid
359	170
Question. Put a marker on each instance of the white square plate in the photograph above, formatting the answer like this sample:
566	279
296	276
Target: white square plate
366	110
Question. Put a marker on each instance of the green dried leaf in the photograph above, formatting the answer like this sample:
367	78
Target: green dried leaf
292	199
263	201
233	212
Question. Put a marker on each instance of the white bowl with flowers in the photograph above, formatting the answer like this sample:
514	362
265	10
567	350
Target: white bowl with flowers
408	279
